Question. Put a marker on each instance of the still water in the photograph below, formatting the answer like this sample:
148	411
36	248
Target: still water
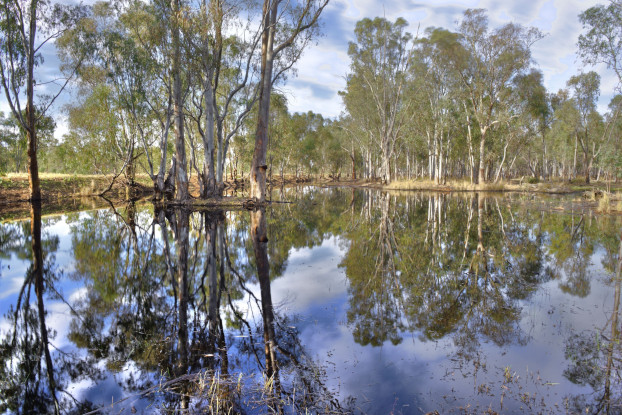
340	301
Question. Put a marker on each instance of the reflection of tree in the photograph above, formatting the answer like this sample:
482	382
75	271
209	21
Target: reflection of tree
572	247
25	358
375	306
595	358
307	392
259	236
163	298
160	293
423	265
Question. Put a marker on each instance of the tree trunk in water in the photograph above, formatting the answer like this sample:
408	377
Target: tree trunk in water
37	272
259	237
182	243
181	176
214	294
480	213
614	337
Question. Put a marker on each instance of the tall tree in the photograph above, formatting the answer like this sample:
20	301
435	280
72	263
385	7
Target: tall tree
289	30
439	93
226	89
380	60
602	43
586	89
181	175
533	105
494	58
20	54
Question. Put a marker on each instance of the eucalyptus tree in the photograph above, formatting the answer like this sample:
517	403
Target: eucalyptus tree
95	139
585	91
439	91
12	146
127	71
148	95
561	137
13	141
281	146
284	34
491	62
181	175
331	156
227	87
602	43
534	107
611	158
380	59
359	122
26	27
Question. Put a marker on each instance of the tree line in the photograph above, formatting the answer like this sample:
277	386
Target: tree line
180	88
471	104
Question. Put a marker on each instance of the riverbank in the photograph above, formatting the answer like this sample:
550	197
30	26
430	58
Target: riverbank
65	192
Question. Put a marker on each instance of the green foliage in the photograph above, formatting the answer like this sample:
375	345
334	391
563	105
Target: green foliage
13	157
602	43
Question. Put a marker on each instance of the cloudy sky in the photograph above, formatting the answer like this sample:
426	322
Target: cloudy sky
323	67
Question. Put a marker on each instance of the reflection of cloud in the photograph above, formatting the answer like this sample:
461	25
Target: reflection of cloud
312	278
10	286
58	319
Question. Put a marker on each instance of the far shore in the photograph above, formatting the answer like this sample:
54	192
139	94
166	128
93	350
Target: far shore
79	192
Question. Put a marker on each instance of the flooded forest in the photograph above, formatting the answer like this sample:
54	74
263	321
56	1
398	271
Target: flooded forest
426	221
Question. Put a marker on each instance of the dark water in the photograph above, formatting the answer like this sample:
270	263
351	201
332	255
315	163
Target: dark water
341	302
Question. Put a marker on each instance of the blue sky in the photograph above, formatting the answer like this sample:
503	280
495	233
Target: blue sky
322	69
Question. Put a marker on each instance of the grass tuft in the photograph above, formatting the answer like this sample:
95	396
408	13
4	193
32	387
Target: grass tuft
604	203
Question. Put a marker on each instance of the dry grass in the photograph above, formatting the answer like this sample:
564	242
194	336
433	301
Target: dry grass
451	185
558	187
604	204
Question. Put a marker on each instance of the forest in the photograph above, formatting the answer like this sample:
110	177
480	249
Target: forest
185	90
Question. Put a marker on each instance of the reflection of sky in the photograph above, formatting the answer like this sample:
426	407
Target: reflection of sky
411	376
59	315
420	375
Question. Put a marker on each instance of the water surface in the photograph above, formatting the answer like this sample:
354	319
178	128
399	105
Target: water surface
342	301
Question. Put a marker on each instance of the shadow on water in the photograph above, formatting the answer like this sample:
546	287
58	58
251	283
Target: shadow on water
175	311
